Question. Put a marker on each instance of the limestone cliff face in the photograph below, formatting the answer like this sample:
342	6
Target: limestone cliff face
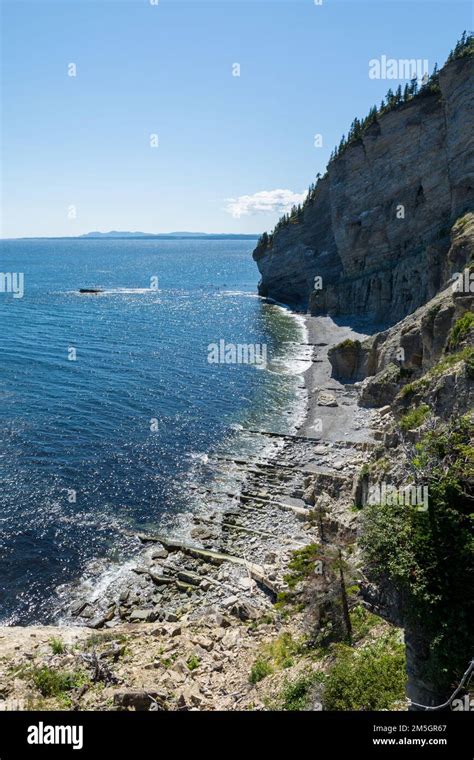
419	156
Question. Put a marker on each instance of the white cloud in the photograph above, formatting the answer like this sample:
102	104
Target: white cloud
264	202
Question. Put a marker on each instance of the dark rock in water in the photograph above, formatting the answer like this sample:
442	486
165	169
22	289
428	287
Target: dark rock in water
202	533
79	607
159	553
101	620
91	290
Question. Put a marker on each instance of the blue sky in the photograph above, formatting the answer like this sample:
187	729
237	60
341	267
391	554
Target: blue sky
166	69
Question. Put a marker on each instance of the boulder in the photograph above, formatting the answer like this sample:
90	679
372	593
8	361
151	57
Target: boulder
190	697
139	699
143	616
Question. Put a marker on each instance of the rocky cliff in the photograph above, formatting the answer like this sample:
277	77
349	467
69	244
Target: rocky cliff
419	374
380	237
377	229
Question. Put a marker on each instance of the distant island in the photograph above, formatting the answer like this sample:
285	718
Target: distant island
126	235
161	235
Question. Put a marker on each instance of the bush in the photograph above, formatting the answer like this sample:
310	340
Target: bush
427	556
295	694
348	343
461	330
193	662
302	564
448	361
260	670
276	655
362	621
57	646
414	418
52	683
369	678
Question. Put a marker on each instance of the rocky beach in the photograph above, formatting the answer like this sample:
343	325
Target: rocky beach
210	599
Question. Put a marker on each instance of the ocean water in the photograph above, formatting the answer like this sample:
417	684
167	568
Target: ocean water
111	415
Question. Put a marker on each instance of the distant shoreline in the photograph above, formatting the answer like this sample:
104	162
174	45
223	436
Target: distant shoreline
164	236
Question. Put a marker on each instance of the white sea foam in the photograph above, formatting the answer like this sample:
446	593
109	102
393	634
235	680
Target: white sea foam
100	583
240	293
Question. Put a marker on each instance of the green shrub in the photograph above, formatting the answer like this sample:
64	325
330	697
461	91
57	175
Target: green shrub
276	655
193	662
302	564
362	621
461	330
53	683
409	389
260	670
57	646
466	355
348	343
427	556
369	678
448	361
414	418
295	694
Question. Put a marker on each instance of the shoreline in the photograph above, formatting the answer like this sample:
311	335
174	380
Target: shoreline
212	598
203	528
319	333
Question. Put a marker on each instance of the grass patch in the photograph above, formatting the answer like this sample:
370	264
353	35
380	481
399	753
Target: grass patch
277	655
362	622
53	683
369	678
414	418
267	619
460	223
57	646
96	639
260	670
282	650
193	662
461	329
302	564
465	355
296	694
